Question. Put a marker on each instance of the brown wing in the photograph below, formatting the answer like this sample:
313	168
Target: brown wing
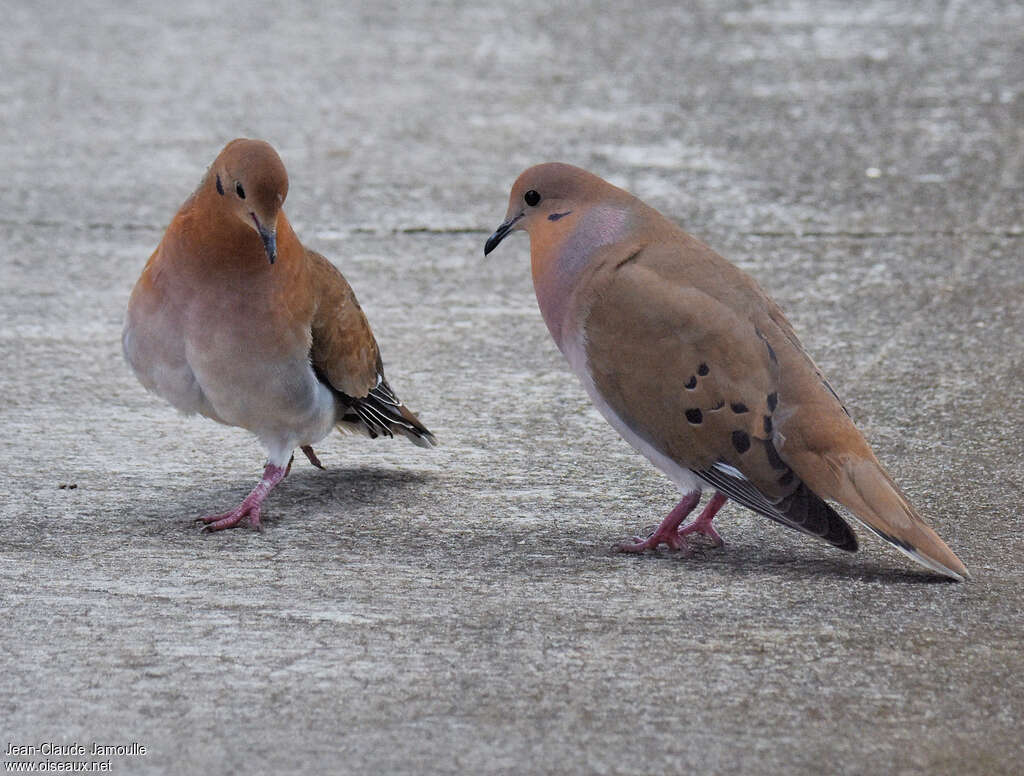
345	355
696	379
699	380
344	351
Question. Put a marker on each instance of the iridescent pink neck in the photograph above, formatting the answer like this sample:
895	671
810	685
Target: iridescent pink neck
556	283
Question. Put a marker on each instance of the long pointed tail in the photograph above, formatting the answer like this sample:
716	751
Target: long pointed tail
879	504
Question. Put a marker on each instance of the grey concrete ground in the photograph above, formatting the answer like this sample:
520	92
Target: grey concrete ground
458	610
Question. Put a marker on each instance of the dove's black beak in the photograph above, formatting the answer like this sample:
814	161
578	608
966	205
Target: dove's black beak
500	234
269	237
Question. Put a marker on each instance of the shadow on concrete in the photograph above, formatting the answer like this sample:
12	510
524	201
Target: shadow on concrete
745	560
339	489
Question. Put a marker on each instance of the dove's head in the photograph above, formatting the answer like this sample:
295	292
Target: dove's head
249	178
544	195
569	214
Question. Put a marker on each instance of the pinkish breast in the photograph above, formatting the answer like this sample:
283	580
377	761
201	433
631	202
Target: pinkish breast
556	283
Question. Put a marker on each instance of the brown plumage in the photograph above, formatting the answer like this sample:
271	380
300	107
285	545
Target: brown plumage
694	365
233	318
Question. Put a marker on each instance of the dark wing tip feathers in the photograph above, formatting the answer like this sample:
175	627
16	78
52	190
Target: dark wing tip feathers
802	510
383	414
811	514
380	413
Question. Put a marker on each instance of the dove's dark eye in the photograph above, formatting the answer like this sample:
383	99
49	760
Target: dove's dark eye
531	197
239	191
220	187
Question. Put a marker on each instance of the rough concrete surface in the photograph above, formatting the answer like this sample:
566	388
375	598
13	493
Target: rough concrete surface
458	610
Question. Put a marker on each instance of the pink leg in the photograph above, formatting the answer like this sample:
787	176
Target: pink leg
311	455
703	523
668	531
250	505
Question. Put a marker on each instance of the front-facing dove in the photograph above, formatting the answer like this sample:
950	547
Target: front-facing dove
234	319
691	362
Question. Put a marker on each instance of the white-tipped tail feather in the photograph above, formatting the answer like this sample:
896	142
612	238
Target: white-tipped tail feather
878	503
381	413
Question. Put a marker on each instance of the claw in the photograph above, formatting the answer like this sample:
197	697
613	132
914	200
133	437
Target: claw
667	531
702	525
251	506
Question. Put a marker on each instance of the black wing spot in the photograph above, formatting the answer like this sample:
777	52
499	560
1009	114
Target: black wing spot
739	407
768	425
773	401
741	441
767	344
703	369
695	416
773	456
691	383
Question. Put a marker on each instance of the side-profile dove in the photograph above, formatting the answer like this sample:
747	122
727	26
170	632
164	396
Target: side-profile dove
234	319
692	363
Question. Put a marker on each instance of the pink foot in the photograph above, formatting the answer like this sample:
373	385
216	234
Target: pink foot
250	506
702	525
668	531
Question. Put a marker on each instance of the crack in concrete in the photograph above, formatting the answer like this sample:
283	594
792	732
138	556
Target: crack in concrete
461	230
